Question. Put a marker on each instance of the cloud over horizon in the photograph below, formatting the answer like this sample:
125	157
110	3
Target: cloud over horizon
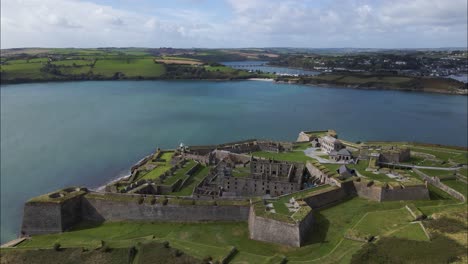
234	23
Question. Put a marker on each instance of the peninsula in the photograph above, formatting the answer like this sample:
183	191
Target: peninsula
379	70
261	201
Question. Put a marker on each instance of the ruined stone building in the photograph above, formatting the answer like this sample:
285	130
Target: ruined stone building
267	177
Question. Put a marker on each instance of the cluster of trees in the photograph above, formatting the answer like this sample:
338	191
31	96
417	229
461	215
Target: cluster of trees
51	68
174	71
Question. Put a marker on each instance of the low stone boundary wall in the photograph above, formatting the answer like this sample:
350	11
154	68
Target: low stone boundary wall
141	162
437	183
205	159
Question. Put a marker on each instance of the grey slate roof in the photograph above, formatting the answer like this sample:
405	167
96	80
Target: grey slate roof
344	152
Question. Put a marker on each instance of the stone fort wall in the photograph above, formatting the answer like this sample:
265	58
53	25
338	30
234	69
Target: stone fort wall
381	194
271	230
326	198
109	210
437	183
50	217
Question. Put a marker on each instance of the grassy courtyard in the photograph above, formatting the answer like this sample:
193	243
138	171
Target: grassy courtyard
294	156
180	174
190	184
161	167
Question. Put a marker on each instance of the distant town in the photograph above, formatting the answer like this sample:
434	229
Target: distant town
410	62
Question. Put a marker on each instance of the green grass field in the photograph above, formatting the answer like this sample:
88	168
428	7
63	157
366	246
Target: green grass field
444	154
412	231
438	173
65	256
72	62
458	186
383	223
129	67
23	70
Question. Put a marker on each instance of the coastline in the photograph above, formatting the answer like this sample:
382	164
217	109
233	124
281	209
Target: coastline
380	88
322	84
127	174
118	178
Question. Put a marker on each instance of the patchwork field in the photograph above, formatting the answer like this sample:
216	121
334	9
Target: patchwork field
114	64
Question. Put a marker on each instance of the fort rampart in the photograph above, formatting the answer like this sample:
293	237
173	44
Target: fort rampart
108	210
370	191
437	183
272	230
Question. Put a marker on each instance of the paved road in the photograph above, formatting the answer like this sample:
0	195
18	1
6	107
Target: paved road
421	167
315	152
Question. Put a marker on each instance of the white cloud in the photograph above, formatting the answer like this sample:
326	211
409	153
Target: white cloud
73	23
299	22
335	23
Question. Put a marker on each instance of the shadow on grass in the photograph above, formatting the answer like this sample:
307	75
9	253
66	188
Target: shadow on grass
83	225
437	194
319	230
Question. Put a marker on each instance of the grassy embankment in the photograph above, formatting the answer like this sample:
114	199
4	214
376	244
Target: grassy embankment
148	251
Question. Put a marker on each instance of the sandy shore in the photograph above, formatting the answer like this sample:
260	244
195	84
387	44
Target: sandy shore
261	79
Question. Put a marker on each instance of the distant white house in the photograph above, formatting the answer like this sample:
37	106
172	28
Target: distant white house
329	144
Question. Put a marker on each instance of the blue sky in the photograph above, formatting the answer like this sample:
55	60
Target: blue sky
234	23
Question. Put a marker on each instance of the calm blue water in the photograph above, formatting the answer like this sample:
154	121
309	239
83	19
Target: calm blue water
87	133
261	65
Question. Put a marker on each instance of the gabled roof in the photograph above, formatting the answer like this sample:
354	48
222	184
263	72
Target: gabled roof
344	152
330	139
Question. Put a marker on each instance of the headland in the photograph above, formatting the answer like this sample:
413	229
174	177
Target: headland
284	194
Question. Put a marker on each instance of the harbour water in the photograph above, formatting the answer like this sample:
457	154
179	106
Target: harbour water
87	133
262	66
